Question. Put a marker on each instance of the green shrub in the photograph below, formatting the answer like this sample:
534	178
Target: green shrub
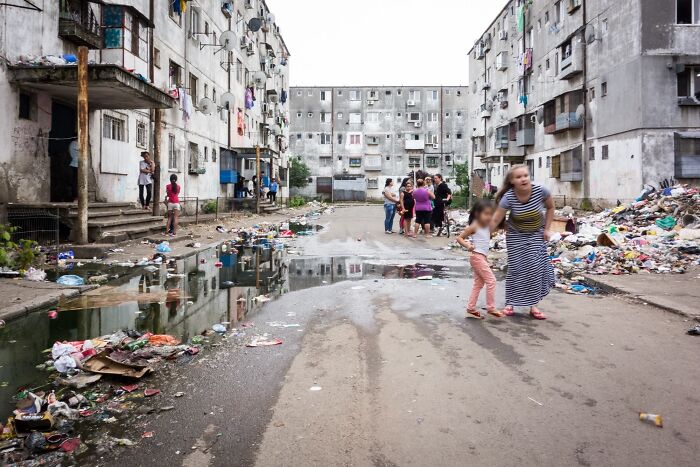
15	255
209	207
297	201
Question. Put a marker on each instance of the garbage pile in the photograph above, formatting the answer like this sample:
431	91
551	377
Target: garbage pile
92	381
658	233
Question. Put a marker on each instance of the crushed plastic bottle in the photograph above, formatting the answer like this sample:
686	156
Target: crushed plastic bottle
651	418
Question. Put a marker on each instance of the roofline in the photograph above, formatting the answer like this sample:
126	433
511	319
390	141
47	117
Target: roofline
498	16
284	44
380	86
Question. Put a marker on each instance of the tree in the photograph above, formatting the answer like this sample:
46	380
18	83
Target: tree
462	180
299	174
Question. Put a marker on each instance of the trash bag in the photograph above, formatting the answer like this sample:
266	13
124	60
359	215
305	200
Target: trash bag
164	248
70	281
667	223
35	275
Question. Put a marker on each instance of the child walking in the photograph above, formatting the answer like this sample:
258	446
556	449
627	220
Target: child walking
172	201
479	231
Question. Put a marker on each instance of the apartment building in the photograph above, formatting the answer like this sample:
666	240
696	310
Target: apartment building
216	70
354	138
597	97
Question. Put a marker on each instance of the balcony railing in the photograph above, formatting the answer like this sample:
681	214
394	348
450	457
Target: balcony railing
567	121
415	144
502	143
77	23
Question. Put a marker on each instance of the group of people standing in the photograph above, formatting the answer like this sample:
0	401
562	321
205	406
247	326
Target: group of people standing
248	187
425	202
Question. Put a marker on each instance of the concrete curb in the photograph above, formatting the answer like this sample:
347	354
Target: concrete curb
16	311
641	299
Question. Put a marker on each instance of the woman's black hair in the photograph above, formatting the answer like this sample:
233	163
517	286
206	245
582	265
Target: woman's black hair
388	182
173	182
404	181
479	207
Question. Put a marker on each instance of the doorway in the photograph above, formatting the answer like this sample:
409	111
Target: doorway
63	123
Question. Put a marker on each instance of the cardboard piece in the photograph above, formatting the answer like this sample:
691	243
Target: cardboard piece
102	364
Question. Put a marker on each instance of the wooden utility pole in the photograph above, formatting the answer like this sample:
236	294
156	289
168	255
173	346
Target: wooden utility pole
259	184
157	118
82	230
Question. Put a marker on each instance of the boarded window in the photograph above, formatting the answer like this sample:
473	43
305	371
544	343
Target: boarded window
555	167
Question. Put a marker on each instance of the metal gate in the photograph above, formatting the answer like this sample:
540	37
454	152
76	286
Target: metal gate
349	188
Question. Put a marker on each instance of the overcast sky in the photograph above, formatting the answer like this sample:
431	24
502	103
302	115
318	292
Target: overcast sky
381	42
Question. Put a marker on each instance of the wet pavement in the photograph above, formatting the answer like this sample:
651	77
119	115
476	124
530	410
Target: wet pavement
378	365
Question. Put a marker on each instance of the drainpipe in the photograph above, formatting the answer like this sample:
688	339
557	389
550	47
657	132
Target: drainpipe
584	146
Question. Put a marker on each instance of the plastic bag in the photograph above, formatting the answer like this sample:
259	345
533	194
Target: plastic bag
35	275
164	248
70	280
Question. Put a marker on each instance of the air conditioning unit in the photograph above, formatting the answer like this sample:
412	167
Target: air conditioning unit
436	146
503	35
411	103
417	124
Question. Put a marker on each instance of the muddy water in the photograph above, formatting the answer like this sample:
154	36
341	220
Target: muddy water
182	298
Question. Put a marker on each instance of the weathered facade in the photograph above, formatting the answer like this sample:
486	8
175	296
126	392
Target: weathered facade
196	65
597	97
357	137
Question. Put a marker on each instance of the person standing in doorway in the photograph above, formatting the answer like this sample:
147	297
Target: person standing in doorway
530	272
251	187
172	201
74	152
274	187
146	171
443	197
390	201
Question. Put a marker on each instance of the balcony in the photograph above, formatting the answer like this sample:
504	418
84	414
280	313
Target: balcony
525	137
78	24
485	113
567	121
373	162
502	61
415	144
502	143
571	66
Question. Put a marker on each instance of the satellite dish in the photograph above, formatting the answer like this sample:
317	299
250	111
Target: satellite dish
540	115
259	77
580	110
254	24
207	106
489	106
490	132
228	101
590	34
228	40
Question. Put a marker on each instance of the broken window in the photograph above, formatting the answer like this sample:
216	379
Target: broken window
27	106
687	155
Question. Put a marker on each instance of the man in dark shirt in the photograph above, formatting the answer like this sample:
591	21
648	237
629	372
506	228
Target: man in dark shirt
443	197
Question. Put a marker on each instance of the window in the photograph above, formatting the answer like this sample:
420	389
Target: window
206	154
414	161
239	71
194	22
432	161
325	117
175	75
340	138
340	92
206	90
689	82
195	165
398	114
172	153
355	140
447	92
557	12
399	92
326	138
549	161
447	136
298	114
591	94
355	95
174	16
387	92
324	161
310	114
340	115
388	136
114	128
310	136
687	155
414	117
310	93
571	165
27	106
141	135
447	115
372	183
604	89
373	117
604	152
539	162
156	58
355	118
193	88
414	96
546	64
546	17
299	93
373	95
433	117
459	135
688	11
325	95
434	95
355	162
388	158
591	154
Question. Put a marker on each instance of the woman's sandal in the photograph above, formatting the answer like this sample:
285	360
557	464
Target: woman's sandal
537	314
495	313
475	313
508	311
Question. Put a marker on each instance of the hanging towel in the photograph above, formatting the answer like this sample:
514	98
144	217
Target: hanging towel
283	96
521	18
176	5
183	5
241	123
249	98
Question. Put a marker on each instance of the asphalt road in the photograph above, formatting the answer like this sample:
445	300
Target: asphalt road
388	372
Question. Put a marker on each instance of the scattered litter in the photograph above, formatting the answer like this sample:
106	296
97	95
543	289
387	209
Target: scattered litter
651	418
53	314
164	248
179	394
278	324
358	287
694	331
148	434
315	388
219	328
538	403
262	341
70	281
35	275
151	392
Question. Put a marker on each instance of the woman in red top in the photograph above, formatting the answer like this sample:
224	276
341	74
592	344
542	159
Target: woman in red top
172	201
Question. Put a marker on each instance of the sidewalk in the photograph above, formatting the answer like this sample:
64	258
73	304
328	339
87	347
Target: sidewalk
677	293
20	296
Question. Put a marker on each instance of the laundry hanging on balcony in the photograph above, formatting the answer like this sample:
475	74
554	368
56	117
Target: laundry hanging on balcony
249	98
521	18
283	96
241	123
179	6
186	105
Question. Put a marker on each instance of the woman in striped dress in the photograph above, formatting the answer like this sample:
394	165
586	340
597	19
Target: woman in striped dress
530	273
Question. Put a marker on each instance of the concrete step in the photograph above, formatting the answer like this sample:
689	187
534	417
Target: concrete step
114	213
129	220
130	233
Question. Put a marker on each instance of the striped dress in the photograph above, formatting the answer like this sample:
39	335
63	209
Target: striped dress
530	272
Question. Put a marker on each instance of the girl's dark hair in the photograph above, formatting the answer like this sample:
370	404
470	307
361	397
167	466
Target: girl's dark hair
479	207
388	182
173	182
404	181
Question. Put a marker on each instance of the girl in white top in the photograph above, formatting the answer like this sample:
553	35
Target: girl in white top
479	231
